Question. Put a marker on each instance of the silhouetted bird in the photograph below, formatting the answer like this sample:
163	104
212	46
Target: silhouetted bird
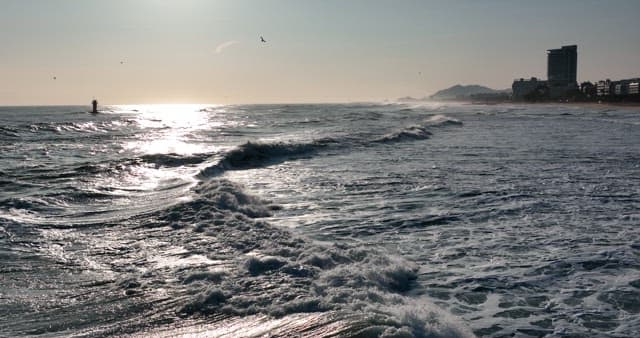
262	39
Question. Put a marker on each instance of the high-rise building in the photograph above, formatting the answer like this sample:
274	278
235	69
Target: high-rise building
562	66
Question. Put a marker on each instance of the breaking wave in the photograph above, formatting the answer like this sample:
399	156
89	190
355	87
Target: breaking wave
409	133
419	132
441	121
256	155
271	272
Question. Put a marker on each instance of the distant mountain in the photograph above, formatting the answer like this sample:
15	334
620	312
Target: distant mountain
461	92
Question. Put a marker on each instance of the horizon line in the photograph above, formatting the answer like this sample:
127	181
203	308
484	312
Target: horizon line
196	103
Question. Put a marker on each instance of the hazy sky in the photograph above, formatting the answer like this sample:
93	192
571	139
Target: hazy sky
209	51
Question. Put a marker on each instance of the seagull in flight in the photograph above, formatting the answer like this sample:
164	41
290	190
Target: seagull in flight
262	39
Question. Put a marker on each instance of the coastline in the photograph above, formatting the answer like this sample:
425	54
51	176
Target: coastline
629	105
618	105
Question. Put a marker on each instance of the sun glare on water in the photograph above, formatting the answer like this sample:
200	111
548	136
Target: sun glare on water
171	128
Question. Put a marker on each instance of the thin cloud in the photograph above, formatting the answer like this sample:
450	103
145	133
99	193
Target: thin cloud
225	45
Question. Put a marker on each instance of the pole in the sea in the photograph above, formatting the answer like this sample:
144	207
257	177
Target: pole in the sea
94	103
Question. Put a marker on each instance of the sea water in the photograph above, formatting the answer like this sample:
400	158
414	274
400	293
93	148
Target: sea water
367	220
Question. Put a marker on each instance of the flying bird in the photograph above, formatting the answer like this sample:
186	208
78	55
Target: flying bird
262	39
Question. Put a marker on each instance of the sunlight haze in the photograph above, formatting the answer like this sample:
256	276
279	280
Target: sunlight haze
200	51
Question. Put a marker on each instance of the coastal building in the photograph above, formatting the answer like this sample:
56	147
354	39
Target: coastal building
562	66
588	90
528	89
603	88
562	85
626	90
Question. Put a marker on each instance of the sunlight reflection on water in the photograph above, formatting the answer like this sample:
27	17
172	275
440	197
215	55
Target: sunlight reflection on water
171	128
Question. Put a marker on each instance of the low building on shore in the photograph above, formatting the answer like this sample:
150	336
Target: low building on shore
627	90
528	89
634	88
588	90
603	88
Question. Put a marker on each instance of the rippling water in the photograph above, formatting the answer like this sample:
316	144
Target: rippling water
320	220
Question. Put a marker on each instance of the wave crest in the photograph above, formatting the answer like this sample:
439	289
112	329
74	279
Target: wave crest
409	133
256	155
420	132
441	121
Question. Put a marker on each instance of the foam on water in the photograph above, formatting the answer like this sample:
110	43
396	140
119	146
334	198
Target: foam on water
272	272
219	264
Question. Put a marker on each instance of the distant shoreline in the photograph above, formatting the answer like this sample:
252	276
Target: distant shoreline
575	104
631	105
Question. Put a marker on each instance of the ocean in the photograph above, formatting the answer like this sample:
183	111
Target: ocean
324	220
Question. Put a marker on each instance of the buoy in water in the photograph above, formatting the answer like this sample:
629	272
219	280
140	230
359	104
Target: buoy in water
94	103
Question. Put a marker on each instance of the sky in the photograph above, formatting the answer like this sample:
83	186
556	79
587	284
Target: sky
209	51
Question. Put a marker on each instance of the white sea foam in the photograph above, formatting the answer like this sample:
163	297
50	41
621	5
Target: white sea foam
278	274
